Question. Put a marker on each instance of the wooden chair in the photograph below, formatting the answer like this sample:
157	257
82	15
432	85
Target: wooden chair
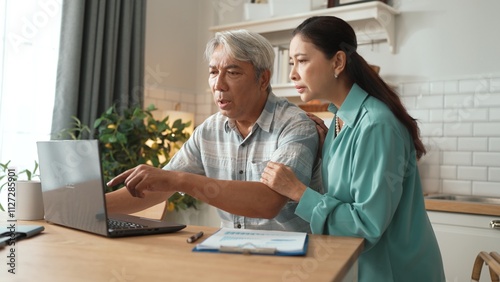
492	260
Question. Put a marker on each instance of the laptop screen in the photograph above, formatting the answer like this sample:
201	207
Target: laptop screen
72	184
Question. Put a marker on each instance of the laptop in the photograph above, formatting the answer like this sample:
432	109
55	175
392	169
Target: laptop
73	192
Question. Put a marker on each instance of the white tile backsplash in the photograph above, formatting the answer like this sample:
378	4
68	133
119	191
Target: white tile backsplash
462	187
451	87
494	114
156	93
171	99
455	101
204	109
480	85
409	102
173	95
420	115
494	84
443	143
431	185
486	159
448	172
206	98
494	144
429	171
472	173
473	144
487	129
491	189
459	121
437	88
458	129
434	129
488	100
494	174
474	114
446	115
188	98
416	88
457	158
429	102
431	157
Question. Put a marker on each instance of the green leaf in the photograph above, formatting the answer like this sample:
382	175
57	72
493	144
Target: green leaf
98	122
151	107
126	126
110	110
122	138
137	112
28	174
178	124
108	138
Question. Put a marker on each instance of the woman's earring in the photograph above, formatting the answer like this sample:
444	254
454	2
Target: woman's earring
336	75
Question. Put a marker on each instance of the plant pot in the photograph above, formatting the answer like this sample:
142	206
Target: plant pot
29	200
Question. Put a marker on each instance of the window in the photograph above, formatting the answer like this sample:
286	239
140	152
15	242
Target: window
29	31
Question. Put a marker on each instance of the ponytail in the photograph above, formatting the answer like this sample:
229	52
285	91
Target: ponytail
363	75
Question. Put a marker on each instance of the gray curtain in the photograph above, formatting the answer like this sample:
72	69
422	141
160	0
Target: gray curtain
101	60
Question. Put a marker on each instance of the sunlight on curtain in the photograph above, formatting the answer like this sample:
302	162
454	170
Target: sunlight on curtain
29	31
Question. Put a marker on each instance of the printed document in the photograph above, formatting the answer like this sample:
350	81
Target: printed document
251	241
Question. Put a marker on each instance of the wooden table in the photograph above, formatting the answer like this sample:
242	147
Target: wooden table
63	254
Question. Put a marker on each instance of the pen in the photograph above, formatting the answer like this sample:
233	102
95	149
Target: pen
195	237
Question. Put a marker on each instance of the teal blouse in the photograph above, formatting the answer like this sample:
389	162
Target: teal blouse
373	191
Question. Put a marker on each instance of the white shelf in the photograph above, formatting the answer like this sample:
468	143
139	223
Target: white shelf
285	90
372	21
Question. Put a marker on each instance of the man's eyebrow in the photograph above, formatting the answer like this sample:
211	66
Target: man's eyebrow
232	66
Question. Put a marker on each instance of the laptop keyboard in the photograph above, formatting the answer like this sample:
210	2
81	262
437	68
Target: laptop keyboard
119	224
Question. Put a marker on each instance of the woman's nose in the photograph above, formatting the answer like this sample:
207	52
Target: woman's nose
293	74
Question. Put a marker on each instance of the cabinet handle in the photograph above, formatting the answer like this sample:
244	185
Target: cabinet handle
495	224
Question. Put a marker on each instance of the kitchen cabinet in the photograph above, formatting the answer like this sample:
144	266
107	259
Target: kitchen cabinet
461	237
372	21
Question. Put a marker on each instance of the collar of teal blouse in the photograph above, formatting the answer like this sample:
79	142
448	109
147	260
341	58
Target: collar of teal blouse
352	104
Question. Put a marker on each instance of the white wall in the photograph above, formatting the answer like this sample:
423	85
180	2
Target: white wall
175	71
446	67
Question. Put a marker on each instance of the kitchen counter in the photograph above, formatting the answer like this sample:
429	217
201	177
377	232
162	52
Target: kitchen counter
462	207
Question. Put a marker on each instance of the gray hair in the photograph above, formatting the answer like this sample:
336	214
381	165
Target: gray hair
246	46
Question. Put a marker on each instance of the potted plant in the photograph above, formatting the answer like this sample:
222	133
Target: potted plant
135	137
6	173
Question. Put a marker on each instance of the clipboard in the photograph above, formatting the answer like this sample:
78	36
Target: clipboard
259	242
21	232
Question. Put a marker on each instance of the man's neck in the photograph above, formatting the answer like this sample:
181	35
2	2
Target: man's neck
244	128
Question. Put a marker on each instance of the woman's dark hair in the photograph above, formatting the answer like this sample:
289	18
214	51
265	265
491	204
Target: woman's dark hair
330	35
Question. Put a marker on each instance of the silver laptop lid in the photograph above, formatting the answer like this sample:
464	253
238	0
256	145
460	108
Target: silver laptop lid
72	184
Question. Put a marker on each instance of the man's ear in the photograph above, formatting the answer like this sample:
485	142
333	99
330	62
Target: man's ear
265	79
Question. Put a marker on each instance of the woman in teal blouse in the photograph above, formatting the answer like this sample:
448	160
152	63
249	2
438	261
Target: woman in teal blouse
370	155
